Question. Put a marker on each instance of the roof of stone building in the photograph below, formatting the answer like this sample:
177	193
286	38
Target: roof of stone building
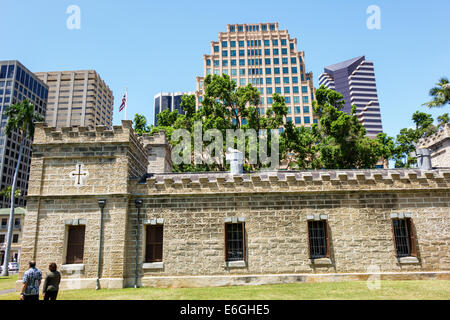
297	181
438	137
283	175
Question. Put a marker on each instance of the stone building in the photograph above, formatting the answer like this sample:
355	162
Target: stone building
439	146
93	209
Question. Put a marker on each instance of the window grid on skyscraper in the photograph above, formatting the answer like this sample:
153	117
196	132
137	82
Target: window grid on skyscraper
264	51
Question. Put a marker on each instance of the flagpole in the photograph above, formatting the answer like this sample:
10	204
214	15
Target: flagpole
126	102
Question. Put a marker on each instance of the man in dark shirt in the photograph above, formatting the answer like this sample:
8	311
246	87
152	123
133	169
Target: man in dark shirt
51	283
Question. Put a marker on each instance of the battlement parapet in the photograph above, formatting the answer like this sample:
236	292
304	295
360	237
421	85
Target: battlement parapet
438	137
158	138
302	181
51	135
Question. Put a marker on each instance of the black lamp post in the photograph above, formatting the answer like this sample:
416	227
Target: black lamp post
101	204
138	203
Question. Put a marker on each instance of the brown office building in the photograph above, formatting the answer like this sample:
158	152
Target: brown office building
77	99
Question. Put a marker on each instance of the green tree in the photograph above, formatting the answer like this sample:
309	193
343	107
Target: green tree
339	142
140	124
21	118
443	120
342	141
167	118
407	139
6	192
387	145
224	106
440	94
299	147
424	124
188	105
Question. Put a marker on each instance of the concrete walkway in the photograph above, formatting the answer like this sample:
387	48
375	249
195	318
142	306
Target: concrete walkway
7	291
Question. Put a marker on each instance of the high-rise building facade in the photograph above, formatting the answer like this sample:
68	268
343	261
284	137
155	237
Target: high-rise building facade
77	99
268	58
355	80
19	214
17	83
168	101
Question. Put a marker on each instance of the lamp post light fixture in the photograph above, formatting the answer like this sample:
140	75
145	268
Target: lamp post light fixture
101	204
138	203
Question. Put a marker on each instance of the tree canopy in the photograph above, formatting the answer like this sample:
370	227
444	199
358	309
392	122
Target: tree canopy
440	94
339	141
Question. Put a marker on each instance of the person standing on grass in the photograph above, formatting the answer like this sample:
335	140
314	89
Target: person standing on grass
31	282
51	283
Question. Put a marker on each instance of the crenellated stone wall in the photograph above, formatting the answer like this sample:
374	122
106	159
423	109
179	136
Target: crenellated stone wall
275	206
159	152
105	161
276	234
439	146
194	207
284	181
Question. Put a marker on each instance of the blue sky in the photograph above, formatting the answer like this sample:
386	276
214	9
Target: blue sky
153	46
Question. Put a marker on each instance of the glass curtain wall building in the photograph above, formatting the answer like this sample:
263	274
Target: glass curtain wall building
269	59
355	80
17	83
168	101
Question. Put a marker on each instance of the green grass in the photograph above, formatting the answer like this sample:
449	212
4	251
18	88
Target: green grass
8	282
422	289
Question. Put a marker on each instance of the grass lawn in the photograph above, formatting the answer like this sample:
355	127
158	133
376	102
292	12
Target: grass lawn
424	289
8	282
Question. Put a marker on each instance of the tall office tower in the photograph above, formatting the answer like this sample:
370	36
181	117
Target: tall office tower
17	83
355	80
168	101
77	98
269	59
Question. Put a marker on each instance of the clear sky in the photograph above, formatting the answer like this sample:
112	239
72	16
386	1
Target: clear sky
152	46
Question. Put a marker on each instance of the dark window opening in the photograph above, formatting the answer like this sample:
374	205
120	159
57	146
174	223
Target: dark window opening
154	243
75	244
234	241
405	245
318	239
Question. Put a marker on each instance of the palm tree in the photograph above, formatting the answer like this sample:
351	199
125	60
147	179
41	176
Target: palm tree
21	117
440	93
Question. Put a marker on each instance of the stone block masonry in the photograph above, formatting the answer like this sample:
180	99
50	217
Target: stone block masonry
439	146
193	209
276	232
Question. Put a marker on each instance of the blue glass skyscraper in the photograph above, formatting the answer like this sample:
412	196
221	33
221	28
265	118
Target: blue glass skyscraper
17	83
355	80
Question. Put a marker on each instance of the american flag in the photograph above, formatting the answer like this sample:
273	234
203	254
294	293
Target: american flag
124	102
